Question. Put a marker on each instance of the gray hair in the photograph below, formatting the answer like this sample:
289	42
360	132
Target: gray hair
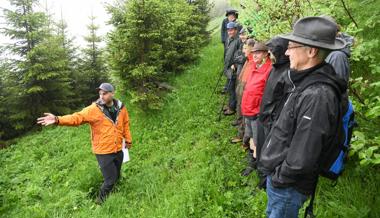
322	53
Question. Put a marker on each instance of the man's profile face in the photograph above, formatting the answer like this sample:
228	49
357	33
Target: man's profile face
297	55
106	97
232	32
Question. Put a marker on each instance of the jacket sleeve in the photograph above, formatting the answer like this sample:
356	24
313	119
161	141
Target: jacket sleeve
223	31
126	130
76	119
315	121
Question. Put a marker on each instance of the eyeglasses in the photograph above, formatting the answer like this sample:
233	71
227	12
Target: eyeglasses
299	46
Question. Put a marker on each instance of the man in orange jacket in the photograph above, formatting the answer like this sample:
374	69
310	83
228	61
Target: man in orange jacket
109	123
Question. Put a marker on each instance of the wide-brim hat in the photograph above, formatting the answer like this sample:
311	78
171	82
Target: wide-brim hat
232	11
316	32
259	46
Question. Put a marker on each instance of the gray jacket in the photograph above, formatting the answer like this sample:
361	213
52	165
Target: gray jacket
232	49
339	59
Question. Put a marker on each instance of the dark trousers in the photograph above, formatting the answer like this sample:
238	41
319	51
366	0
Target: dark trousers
231	88
110	166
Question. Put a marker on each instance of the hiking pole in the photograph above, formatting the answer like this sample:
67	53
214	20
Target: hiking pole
224	101
217	84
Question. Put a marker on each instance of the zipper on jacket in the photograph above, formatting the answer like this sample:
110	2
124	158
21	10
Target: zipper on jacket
294	88
270	140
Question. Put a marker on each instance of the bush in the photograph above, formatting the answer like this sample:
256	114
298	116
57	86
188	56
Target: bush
152	40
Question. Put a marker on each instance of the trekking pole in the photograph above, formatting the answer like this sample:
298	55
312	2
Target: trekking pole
224	101
217	84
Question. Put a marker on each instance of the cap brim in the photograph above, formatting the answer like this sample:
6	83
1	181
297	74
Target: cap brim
98	89
338	44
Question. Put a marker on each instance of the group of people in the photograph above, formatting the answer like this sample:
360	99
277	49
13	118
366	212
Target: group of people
285	93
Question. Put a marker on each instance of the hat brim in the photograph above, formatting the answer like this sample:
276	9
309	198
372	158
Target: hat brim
253	50
98	89
338	44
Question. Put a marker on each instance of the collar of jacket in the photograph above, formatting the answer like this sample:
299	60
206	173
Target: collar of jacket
250	57
118	104
297	76
231	39
263	67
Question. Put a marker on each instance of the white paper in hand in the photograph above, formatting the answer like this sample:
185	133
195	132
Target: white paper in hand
125	153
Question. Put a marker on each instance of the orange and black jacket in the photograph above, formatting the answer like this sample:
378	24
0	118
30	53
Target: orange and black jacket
106	135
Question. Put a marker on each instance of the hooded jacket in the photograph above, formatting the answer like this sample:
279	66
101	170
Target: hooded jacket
305	127
106	136
277	84
340	59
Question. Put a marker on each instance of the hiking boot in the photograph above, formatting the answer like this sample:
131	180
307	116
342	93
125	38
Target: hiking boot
225	107
229	112
236	140
236	122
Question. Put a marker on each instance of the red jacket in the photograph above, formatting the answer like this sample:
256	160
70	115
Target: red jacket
254	89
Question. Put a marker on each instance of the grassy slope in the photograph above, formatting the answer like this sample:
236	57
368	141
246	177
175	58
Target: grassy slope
181	166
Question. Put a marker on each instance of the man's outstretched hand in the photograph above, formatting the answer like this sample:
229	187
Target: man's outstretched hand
48	119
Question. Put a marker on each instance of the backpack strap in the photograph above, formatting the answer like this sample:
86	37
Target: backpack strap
309	213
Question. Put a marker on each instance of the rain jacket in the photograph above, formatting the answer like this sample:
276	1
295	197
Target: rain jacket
306	126
106	136
254	88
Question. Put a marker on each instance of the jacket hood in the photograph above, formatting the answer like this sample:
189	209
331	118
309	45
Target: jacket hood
278	47
349	43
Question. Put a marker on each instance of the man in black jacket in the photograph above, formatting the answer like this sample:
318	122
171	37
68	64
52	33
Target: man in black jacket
275	92
307	124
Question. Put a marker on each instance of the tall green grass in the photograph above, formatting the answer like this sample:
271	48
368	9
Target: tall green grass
182	165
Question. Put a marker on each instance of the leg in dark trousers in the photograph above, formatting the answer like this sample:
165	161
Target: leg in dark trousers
261	136
110	166
232	94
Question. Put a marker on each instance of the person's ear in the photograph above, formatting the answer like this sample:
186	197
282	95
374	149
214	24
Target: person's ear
313	52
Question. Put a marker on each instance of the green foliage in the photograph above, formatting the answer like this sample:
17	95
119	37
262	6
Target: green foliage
270	18
38	80
45	82
24	25
92	68
153	39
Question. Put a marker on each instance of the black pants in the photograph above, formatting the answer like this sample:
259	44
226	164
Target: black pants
231	88
110	165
